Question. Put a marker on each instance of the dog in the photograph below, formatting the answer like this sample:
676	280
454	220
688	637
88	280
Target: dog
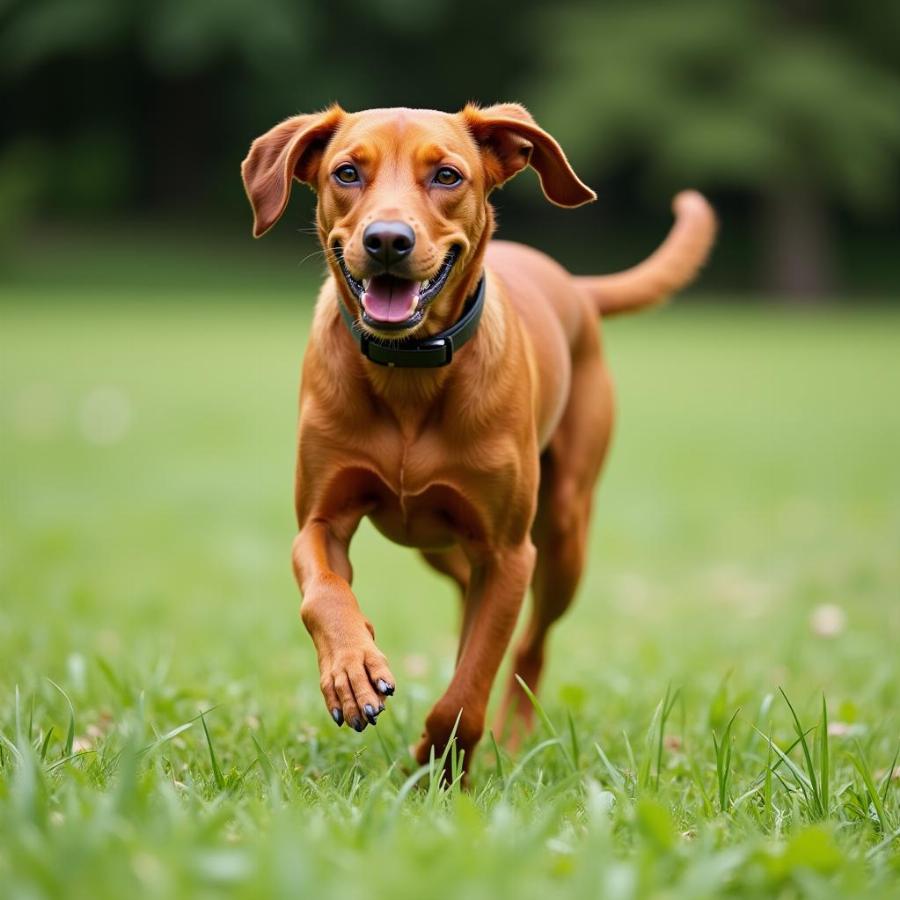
454	389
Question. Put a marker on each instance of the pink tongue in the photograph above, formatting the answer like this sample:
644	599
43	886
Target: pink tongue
390	299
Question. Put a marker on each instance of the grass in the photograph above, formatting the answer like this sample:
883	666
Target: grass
720	716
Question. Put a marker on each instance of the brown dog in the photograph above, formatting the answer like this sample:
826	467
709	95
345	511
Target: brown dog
454	389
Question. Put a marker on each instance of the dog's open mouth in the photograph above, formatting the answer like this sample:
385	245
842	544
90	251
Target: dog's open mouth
391	303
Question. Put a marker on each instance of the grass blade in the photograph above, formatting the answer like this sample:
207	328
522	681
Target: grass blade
573	737
824	773
632	763
46	743
723	751
385	750
859	761
67	759
70	735
812	780
498	766
614	774
217	772
550	742
889	777
263	759
173	733
168	736
795	770
668	704
647	762
409	784
438	767
545	719
6	742
19	740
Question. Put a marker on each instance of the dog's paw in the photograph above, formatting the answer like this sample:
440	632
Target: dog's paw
355	684
449	718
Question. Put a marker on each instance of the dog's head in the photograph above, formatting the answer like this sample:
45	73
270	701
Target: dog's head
403	212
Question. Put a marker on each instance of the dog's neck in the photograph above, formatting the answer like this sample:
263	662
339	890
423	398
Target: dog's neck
412	394
411	397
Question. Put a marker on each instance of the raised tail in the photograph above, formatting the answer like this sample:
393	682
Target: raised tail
671	267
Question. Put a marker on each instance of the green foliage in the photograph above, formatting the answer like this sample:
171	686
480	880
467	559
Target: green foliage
722	94
785	112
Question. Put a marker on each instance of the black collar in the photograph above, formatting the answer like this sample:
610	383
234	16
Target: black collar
419	353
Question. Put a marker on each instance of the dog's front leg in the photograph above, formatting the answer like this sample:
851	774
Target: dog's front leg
492	605
354	675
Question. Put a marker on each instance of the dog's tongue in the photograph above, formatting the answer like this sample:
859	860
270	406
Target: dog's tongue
390	299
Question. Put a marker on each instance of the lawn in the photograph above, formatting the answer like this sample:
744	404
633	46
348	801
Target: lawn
746	542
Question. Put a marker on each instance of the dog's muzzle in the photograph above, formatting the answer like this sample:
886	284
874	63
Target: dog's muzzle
391	303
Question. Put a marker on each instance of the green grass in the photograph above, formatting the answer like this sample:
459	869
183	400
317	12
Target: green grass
162	729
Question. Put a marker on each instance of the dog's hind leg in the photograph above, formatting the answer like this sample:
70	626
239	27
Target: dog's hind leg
569	469
453	564
457	568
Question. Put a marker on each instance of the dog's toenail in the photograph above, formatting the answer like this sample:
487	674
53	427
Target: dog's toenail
357	724
338	717
369	710
380	708
384	687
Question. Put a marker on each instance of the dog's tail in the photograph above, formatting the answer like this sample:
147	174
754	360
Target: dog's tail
671	267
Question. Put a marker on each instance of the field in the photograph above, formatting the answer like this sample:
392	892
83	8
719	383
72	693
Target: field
161	729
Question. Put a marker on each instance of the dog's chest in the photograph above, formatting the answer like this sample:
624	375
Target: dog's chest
419	493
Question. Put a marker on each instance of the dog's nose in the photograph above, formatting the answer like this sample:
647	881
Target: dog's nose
389	242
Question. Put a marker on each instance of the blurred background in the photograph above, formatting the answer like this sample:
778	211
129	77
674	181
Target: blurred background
125	122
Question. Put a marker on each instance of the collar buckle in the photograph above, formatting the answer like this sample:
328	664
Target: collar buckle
441	343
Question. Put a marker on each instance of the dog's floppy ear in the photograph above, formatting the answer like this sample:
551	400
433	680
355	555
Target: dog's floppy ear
510	140
292	149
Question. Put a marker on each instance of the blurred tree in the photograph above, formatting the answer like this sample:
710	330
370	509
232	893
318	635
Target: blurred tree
796	102
186	84
145	107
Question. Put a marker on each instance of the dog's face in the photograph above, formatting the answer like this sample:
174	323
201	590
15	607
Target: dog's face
402	211
401	208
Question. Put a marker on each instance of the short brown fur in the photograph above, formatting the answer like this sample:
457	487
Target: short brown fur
487	465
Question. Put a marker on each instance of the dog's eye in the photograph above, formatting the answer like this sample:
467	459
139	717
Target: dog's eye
346	174
447	177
